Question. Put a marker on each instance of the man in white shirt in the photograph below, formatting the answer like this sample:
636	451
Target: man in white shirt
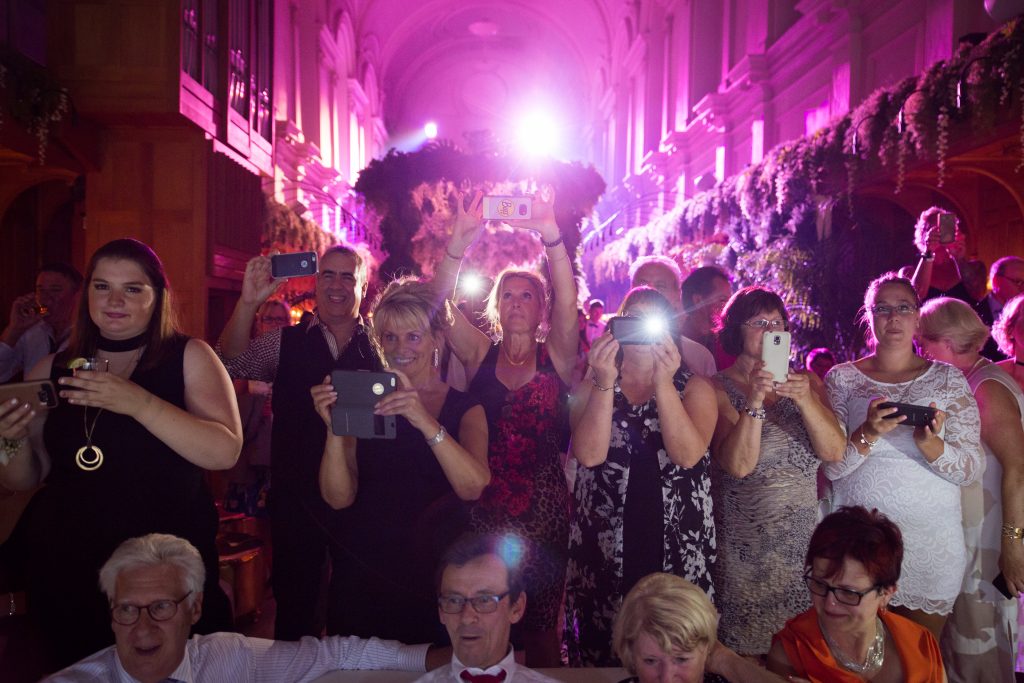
480	596
155	584
595	322
663	274
40	323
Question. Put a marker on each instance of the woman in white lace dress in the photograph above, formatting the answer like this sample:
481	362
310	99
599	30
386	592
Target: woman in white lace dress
980	640
912	474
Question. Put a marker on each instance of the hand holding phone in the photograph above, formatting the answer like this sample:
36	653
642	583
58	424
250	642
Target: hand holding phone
775	354
947	228
297	264
353	412
917	416
629	330
499	208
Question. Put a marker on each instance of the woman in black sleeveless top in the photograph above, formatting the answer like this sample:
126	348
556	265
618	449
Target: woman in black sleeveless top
123	453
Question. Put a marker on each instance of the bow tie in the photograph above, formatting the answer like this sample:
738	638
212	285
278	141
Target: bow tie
482	678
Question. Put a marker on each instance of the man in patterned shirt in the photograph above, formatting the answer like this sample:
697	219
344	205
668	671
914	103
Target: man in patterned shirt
294	359
154	584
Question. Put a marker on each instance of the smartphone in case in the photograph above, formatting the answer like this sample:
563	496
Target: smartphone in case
999	583
498	208
629	330
39	394
358	391
296	264
775	354
947	228
917	416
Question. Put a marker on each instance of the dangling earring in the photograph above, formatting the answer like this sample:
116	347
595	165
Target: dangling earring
437	356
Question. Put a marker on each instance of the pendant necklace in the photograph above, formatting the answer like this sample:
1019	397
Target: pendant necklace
509	358
874	658
89	458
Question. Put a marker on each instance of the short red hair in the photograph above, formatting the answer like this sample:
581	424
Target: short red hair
852	532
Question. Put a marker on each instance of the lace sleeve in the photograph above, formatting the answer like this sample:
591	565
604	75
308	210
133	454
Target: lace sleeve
837	385
961	460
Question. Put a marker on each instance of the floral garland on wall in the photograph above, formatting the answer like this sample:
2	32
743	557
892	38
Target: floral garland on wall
32	97
770	214
413	194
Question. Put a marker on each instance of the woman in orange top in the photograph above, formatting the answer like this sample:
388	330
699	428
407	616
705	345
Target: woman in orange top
848	635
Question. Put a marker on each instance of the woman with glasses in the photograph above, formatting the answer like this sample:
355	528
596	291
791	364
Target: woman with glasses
641	429
849	634
912	474
993	508
768	443
402	496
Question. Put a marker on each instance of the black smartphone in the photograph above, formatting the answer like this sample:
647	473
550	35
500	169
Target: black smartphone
917	416
628	330
999	583
358	391
296	264
39	394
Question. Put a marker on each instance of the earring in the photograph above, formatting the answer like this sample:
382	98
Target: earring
437	357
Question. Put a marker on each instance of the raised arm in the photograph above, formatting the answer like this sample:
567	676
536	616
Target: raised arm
592	404
465	229
736	444
688	420
339	469
257	286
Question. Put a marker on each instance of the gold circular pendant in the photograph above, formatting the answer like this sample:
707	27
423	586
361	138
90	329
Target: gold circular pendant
86	463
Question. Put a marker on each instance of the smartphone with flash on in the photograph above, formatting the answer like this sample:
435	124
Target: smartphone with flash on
775	354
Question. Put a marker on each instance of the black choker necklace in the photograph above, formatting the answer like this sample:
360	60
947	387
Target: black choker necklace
117	345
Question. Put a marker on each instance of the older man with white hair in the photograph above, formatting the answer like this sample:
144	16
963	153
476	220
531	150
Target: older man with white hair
154	584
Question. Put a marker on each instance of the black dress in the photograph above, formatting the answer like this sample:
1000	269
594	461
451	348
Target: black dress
404	516
74	523
528	495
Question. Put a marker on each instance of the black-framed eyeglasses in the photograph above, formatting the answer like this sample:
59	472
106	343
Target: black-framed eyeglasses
764	324
901	309
160	610
482	604
847	596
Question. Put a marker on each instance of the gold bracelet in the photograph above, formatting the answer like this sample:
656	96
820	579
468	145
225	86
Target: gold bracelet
1014	533
593	380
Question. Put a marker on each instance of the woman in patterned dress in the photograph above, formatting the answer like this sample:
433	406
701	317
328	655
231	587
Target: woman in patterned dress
912	474
522	383
768	443
641	429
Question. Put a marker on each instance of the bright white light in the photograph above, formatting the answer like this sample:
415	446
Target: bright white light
655	326
430	130
471	284
537	134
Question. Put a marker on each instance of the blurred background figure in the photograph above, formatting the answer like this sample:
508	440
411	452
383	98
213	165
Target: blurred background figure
820	361
941	252
39	323
1008	331
1007	280
704	294
595	321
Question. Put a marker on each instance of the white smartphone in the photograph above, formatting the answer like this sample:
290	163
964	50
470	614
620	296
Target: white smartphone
507	208
775	354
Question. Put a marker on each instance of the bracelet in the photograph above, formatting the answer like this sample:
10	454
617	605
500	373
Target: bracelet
9	448
1014	533
928	255
863	441
438	438
553	244
451	255
756	413
593	380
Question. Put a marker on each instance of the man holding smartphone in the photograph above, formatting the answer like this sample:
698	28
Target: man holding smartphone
295	359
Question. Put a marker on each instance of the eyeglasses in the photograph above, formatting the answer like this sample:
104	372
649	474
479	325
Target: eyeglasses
482	604
763	324
901	309
846	596
161	610
275	320
1015	280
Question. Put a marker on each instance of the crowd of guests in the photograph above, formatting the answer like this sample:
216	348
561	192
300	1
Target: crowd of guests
658	503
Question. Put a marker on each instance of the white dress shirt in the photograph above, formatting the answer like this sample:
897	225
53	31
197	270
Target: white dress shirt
223	657
514	673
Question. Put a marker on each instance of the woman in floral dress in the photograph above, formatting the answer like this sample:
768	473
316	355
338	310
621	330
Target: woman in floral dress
641	429
523	384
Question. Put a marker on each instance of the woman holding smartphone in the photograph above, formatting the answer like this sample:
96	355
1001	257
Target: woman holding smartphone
403	496
641	429
912	474
769	440
125	452
940	242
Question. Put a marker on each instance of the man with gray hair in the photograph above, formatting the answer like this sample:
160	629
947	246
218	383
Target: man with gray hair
154	584
1007	279
663	274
